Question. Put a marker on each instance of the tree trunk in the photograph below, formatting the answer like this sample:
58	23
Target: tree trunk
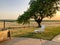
39	22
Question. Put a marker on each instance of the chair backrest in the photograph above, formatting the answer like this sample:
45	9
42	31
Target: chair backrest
42	28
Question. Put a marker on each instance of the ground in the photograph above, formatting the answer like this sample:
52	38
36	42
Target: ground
52	29
31	41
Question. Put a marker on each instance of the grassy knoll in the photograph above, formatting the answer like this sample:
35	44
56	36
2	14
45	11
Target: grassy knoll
50	32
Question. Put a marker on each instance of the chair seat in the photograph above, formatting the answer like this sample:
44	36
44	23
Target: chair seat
36	31
40	30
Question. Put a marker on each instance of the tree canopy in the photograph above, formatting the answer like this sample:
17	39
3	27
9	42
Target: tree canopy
39	9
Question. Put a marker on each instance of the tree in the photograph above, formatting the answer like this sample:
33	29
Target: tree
39	9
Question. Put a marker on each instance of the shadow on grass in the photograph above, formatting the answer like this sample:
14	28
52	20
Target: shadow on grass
45	35
34	35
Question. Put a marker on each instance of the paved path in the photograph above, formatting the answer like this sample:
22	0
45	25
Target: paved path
31	41
51	43
57	39
23	41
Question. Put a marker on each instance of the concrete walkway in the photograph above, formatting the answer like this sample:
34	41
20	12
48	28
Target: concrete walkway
23	41
31	41
57	38
55	41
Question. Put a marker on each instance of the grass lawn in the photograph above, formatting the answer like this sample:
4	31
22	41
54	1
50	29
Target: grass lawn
49	34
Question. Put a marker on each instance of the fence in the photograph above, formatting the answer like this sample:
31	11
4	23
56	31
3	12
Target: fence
6	24
13	25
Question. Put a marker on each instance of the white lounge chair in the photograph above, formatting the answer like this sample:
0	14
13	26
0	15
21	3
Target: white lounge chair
40	30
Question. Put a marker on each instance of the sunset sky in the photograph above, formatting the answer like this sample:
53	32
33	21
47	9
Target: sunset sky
10	9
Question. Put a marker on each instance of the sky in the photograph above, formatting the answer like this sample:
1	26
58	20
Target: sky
11	9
